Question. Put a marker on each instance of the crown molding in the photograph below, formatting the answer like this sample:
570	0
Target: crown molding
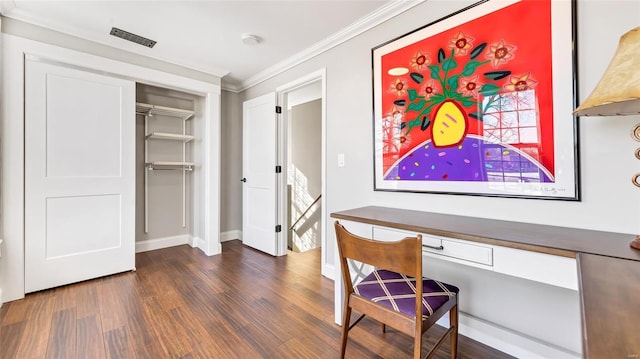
384	13
235	88
7	6
16	13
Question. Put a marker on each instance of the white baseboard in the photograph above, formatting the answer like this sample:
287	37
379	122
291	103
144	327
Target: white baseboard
206	248
193	241
230	235
508	341
199	243
329	271
1	298
159	243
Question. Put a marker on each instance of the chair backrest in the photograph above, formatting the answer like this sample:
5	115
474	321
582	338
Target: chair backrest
403	256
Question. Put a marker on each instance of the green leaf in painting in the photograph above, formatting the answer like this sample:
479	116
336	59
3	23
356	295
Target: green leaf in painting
427	110
468	101
417	106
449	64
435	72
416	77
441	56
497	75
453	82
471	67
489	89
456	96
412	94
437	98
478	50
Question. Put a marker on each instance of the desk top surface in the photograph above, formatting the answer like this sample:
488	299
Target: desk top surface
527	236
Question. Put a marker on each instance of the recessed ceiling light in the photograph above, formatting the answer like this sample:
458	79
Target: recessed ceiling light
249	39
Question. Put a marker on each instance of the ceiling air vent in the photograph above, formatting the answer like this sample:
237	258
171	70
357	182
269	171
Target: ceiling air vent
132	37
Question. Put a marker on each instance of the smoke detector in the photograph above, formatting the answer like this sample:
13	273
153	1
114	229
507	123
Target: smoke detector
250	40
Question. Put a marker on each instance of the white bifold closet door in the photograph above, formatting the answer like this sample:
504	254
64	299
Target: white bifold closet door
79	175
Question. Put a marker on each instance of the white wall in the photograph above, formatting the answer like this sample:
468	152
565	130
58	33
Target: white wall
231	168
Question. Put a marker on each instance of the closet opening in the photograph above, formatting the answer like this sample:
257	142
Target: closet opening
169	128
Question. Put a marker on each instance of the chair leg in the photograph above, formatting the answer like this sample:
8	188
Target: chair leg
384	327
346	318
453	321
417	345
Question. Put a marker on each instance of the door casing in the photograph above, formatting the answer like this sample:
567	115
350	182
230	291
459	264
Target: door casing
327	263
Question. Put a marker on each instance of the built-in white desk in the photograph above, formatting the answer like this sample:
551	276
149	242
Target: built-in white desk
599	266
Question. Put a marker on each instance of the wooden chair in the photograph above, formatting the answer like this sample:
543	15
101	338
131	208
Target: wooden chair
388	294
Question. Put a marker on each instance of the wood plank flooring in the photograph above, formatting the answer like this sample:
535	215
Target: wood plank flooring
182	304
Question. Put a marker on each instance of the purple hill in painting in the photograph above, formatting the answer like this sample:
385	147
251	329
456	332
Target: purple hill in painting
474	160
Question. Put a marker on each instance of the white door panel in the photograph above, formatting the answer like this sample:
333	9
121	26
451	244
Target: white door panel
258	162
82	105
79	175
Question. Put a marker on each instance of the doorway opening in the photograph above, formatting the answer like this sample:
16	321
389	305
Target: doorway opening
302	148
169	127
304	155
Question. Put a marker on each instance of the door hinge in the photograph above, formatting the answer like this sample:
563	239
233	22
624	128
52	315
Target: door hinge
278	169
278	109
278	228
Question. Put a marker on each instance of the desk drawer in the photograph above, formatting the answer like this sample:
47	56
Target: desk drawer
444	248
464	251
386	234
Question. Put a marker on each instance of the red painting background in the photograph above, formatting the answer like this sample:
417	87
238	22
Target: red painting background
527	25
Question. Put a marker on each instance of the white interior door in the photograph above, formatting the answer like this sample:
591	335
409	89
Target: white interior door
79	175
259	145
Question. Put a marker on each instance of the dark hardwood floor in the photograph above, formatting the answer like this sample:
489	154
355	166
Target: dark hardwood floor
182	304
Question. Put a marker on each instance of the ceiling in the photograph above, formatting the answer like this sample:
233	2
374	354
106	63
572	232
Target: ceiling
206	35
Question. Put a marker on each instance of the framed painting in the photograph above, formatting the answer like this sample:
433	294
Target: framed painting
480	103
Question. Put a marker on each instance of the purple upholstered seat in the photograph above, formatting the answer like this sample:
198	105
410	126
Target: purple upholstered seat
397	292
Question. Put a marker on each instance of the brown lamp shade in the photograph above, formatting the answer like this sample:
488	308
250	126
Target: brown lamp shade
618	92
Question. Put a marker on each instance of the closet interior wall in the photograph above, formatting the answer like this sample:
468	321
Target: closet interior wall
166	194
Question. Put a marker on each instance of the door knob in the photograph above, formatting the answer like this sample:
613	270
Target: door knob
243	179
